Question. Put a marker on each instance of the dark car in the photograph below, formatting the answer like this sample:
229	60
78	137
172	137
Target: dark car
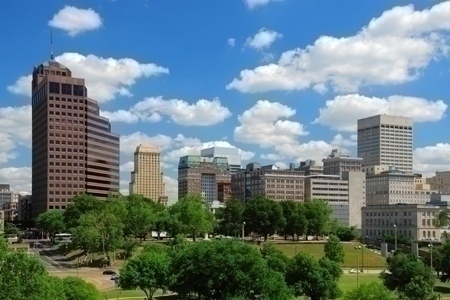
109	272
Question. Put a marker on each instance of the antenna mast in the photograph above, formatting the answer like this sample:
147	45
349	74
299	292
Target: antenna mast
51	44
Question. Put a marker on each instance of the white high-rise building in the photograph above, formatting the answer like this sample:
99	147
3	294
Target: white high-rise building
231	154
386	140
147	178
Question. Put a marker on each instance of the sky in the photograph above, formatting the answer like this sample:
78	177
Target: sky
282	80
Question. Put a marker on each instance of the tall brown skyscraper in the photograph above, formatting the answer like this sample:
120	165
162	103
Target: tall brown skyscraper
74	150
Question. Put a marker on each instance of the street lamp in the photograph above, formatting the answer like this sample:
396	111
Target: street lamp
395	229
357	265
243	231
431	254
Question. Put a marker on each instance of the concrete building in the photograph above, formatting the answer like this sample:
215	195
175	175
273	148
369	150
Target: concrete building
373	170
147	178
11	211
231	154
7	196
412	220
73	149
309	167
339	162
420	183
202	175
440	182
386	140
267	181
394	187
24	208
5	187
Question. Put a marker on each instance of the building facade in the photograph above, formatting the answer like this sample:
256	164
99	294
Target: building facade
440	182
310	167
415	221
7	196
202	175
386	140
339	162
231	154
147	178
267	181
73	148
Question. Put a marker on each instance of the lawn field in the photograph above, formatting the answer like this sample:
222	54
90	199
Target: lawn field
371	259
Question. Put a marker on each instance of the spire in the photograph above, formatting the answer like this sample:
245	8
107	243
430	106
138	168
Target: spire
51	44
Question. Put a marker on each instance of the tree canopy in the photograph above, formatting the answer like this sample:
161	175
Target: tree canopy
371	291
334	250
318	215
51	221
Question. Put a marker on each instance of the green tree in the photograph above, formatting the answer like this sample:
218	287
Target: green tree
51	221
296	223
80	205
162	222
230	220
149	272
371	291
318	215
224	269
409	277
307	277
3	244
344	233
275	258
192	216
10	229
263	216
445	261
78	289
443	218
140	216
334	250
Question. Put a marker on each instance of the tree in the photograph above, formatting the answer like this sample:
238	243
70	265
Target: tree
10	229
162	222
437	258
192	215
140	216
149	272
334	250
445	261
318	216
51	221
224	269
77	289
81	204
443	218
312	279
263	216
371	291
344	233
296	223
230	220
275	258
409	276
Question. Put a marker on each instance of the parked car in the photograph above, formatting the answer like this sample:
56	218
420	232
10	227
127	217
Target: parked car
109	272
115	277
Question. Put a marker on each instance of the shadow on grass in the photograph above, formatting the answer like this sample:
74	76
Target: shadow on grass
442	289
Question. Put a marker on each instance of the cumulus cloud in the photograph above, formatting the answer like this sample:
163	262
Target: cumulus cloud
124	187
202	113
252	4
19	178
75	20
392	49
339	140
127	167
429	159
106	78
263	39
15	130
231	42
171	186
128	143
337	115
262	124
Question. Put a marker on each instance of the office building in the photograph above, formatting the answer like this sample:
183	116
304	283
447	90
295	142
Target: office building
204	176
5	187
440	182
309	167
415	221
268	181
73	148
231	154
147	178
339	162
7	196
386	141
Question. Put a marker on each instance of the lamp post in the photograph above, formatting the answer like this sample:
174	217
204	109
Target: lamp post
362	254
431	254
357	265
243	231
395	230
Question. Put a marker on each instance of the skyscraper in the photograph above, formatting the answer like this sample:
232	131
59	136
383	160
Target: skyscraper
386	140
147	178
232	155
73	149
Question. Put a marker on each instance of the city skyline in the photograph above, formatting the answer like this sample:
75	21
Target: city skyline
167	80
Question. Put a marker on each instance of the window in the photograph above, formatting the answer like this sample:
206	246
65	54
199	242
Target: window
66	89
78	90
54	87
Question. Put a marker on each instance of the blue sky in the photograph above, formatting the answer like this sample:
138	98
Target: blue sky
283	81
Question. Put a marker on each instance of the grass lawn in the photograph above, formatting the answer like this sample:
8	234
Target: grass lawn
348	281
371	259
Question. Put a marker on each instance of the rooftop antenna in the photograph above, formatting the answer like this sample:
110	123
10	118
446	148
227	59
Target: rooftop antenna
51	44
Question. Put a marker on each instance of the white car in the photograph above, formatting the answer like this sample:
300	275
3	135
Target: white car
353	271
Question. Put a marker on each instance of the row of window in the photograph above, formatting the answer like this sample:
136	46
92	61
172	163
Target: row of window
70	100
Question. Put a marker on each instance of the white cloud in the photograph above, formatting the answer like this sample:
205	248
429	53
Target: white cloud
267	57
251	4
391	49
75	20
201	113
338	116
105	77
127	167
231	42
315	150
339	140
7	148
262	124
128	143
271	156
124	187
263	39
281	165
19	178
171	189
429	159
